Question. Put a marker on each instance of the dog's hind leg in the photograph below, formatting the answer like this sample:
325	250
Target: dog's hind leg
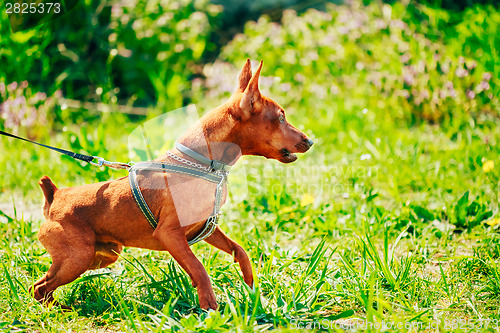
224	243
71	246
106	253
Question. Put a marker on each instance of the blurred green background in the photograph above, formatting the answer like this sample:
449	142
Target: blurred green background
405	63
401	98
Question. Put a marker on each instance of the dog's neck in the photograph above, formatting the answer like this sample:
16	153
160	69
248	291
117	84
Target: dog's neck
213	136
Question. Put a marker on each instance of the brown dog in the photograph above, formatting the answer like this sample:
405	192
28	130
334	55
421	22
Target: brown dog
87	226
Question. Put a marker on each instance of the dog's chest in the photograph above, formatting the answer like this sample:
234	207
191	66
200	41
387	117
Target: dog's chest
194	199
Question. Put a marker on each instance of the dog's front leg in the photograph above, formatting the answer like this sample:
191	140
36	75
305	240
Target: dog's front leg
174	241
224	243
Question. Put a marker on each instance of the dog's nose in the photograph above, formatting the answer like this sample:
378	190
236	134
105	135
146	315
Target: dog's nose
310	142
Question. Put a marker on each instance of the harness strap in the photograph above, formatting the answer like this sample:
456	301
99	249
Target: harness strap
211	222
214	164
139	199
178	168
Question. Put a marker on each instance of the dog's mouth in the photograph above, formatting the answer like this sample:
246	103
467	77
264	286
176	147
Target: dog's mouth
287	156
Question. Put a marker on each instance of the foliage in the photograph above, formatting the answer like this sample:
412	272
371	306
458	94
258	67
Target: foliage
372	57
161	41
469	215
142	51
470	33
24	112
392	216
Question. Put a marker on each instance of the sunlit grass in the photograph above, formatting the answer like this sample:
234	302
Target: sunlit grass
390	245
392	216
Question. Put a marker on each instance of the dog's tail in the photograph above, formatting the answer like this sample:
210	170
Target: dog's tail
48	189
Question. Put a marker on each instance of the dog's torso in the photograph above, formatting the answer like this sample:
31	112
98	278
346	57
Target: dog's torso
109	209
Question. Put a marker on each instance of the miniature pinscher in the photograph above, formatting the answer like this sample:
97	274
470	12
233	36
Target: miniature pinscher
87	226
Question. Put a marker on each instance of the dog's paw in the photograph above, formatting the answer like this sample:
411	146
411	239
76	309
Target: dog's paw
207	300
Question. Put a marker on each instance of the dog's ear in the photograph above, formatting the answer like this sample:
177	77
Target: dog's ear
245	76
251	95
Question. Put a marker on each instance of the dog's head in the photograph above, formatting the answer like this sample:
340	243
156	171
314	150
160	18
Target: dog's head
263	128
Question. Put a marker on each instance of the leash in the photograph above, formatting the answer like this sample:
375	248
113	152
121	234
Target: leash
86	158
213	171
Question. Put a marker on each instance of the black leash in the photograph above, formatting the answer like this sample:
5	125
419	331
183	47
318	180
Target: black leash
81	157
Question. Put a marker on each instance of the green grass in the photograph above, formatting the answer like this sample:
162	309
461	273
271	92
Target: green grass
392	216
391	237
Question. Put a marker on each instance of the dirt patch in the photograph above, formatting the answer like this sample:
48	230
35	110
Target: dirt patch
21	210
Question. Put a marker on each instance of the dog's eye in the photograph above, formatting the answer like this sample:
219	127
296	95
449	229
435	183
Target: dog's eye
281	118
